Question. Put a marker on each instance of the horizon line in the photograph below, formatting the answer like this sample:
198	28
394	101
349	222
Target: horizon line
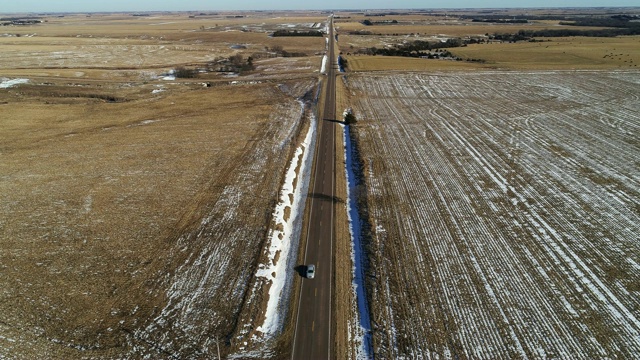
327	10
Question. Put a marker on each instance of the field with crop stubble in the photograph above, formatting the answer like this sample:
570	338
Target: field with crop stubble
504	208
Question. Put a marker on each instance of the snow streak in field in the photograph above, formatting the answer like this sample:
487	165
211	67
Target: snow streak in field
507	213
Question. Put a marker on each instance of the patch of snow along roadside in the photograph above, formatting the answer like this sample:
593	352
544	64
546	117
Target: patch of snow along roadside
360	329
170	76
285	236
7	83
323	70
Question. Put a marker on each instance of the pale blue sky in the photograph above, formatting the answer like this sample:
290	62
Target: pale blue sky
9	6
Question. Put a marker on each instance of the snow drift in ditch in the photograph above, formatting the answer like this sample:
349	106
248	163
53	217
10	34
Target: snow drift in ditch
284	237
7	83
360	328
323	70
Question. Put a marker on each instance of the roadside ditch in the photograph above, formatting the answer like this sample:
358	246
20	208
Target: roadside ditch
360	230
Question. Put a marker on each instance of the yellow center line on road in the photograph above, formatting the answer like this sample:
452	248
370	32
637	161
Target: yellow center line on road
313	326
316	294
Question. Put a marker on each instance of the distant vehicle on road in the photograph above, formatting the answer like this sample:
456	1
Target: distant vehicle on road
311	271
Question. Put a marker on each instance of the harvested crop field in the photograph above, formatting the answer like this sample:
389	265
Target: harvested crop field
505	213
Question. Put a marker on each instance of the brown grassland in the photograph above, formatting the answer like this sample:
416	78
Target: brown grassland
410	25
115	184
575	53
550	53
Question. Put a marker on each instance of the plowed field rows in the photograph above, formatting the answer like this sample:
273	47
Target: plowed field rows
506	210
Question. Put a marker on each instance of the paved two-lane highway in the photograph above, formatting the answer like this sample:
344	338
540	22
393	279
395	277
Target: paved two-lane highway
313	338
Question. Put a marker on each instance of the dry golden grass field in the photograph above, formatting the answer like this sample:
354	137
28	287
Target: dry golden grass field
133	205
550	53
575	53
622	53
102	45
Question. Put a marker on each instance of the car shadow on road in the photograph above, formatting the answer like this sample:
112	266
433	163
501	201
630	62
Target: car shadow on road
333	199
301	270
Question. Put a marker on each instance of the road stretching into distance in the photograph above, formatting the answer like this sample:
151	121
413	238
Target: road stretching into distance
313	336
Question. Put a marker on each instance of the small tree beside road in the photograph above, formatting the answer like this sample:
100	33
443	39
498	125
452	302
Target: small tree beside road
349	118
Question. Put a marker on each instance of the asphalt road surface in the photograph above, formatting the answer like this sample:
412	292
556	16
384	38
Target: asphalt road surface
313	338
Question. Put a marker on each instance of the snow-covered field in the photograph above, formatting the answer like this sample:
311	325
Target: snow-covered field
506	213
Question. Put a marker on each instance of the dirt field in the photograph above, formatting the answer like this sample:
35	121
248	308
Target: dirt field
505	209
133	205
